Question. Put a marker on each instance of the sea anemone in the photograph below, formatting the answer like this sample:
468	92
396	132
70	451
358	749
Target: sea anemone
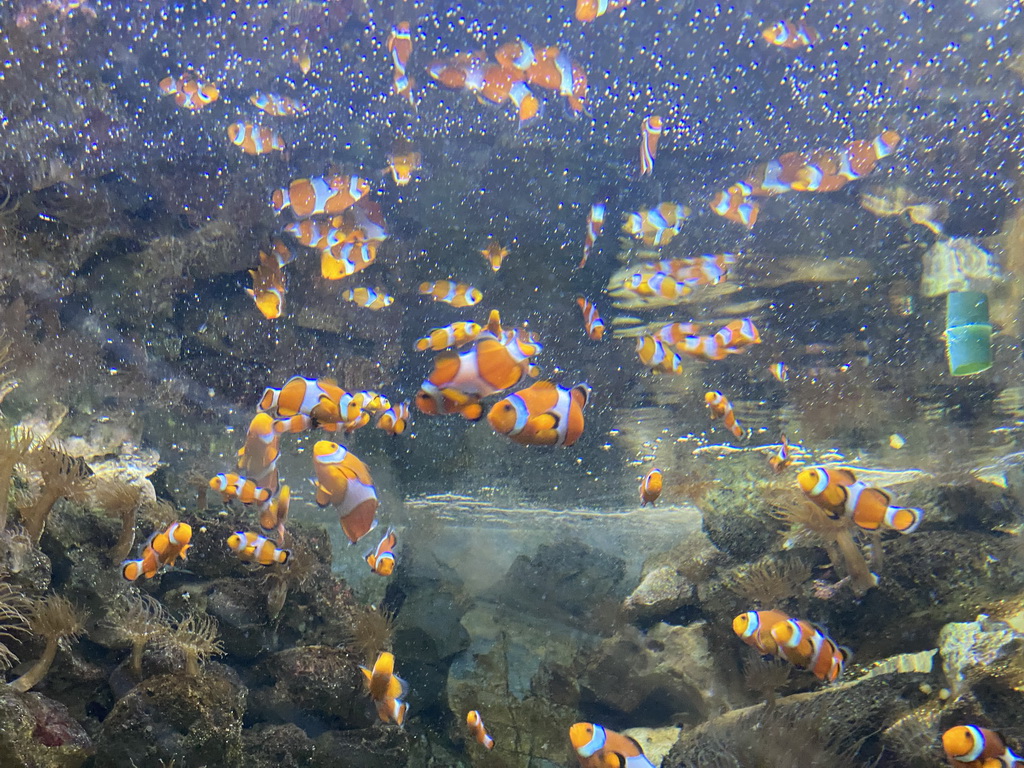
196	638
372	629
62	475
14	445
766	676
768	582
139	620
55	620
13	607
119	499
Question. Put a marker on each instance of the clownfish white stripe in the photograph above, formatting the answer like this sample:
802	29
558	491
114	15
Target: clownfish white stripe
596	743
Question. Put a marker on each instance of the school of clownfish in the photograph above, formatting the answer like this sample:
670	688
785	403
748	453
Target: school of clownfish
333	215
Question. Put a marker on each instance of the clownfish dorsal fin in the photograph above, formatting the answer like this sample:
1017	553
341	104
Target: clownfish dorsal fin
329	381
545	384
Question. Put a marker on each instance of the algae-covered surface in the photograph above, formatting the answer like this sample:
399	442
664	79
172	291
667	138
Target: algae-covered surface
436	384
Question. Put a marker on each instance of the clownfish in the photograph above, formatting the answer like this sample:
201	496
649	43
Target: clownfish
806	646
320	196
789	34
346	259
839	493
268	287
454	335
344	481
734	205
600	747
595	222
253	548
781	458
301	58
403	166
656	226
381	558
386	689
676	333
655	355
591	320
319	399
554	70
300	422
657	285
650	132
755	629
542	414
477	730
233	486
163	548
315	233
255	139
450	292
369	298
494	254
281	252
779	371
189	93
977	747
395	419
400	47
146	566
257	458
650	487
738	334
274	515
720	407
588	10
278	106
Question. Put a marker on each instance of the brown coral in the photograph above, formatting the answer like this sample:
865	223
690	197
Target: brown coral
139	620
196	638
55	620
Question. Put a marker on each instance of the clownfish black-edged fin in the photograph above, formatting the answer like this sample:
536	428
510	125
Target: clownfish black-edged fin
846	653
615	760
285	555
584	391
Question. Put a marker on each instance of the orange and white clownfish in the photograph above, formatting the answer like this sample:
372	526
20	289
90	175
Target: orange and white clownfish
454	335
400	47
146	566
720	407
588	10
755	629
386	689
189	93
233	486
255	139
839	493
494	254
650	487
657	285
319	196
790	34
676	333
554	70
976	747
806	646
591	320
781	458
319	399
301	58
477	730
274	515
656	226
253	548
542	414
738	334
654	354
258	457
370	298
450	292
595	222
735	205
703	347
403	166
268	287
381	558
278	106
300	422
600	747
163	548
343	480
346	259
650	132
779	371
395	419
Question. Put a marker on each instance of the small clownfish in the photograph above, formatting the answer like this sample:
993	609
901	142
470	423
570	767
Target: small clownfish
281	252
253	548
676	333
781	458
255	139
789	34
163	548
461	70
650	487
319	399
657	284
369	298
233	486
720	407
595	223
656	226
301	58
319	196
839	493
650	132
703	348
386	689
591	320
738	334
806	646
542	414
755	629
274	515
344	481
655	355
454	335
368	400
278	106
774	177
258	457
494	254
316	233
734	205
395	419
403	166
779	371
600	747
554	70
268	287
588	10
146	566
977	747
516	55
189	93
450	292
477	730
300	422
399	45
346	259
381	558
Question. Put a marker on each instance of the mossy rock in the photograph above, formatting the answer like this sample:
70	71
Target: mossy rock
737	522
36	732
277	746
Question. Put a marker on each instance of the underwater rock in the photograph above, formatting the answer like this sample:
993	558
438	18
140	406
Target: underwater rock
973	504
738	522
974	649
195	721
661	592
25	565
656	742
36	732
277	746
363	748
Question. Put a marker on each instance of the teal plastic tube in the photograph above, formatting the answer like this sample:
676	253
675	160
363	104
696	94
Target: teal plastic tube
968	333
